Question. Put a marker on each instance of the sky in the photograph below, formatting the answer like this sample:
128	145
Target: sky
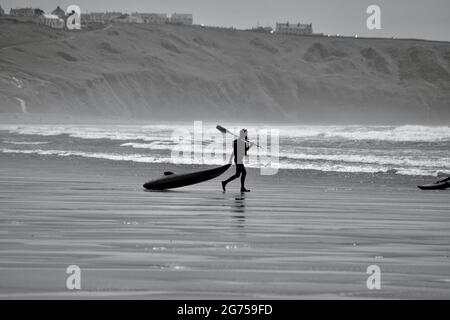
425	19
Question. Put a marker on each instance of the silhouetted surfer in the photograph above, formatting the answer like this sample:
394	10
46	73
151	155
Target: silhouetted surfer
240	148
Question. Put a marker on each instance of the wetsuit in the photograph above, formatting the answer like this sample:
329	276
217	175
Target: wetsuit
240	149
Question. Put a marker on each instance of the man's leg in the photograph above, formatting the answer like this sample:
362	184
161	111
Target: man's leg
244	174
235	176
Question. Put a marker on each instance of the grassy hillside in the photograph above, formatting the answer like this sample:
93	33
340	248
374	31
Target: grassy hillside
169	72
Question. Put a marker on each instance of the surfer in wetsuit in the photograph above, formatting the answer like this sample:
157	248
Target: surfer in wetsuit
240	148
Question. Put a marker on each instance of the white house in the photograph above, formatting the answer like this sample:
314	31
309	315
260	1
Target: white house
59	12
25	12
52	21
297	28
182	18
99	17
153	18
126	18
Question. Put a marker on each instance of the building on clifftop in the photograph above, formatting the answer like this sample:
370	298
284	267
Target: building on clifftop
52	21
99	17
26	12
153	18
59	12
297	28
182	18
126	18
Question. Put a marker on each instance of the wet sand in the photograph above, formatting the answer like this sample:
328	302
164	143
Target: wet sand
297	235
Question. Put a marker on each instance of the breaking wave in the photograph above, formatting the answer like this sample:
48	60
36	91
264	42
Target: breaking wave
408	150
326	166
407	133
25	142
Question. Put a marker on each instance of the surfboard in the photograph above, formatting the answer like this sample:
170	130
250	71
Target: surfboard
172	180
439	185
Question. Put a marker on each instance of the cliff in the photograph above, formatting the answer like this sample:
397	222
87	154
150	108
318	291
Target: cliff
127	71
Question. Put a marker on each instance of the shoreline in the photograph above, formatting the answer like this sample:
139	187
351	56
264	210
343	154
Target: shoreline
372	177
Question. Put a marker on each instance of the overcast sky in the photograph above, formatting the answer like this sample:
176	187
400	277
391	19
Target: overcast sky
428	19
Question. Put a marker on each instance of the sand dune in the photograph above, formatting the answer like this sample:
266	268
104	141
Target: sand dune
160	72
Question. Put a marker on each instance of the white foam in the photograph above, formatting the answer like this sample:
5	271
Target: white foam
87	132
326	167
98	155
408	133
158	145
402	134
402	160
408	159
183	147
25	142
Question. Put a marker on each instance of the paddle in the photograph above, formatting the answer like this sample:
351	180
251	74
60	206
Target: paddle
225	131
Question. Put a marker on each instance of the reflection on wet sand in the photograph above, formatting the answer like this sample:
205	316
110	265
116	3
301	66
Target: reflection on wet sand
302	235
238	207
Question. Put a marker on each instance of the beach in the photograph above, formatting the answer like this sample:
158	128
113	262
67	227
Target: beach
342	119
299	234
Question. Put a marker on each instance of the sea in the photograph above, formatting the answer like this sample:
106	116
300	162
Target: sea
403	150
